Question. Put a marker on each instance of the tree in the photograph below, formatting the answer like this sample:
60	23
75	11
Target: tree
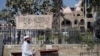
95	4
5	14
30	6
18	7
35	7
24	6
57	6
97	28
92	5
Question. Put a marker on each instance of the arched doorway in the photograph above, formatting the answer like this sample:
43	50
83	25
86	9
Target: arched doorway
82	22
66	23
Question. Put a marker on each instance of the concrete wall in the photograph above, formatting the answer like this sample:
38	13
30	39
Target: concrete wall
64	49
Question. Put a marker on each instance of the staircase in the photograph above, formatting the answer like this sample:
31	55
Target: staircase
1	45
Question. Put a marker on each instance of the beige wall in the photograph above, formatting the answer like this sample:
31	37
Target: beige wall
64	49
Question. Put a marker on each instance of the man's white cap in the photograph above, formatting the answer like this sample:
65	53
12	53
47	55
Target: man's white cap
26	36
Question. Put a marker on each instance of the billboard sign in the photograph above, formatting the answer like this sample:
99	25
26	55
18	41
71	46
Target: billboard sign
34	22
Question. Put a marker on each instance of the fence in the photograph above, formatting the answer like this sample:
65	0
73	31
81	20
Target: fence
90	54
13	36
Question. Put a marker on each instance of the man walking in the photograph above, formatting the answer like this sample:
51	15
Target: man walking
26	49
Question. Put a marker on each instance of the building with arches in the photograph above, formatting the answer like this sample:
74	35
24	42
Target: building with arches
73	17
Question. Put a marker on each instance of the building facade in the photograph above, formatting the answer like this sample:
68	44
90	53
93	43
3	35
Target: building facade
74	17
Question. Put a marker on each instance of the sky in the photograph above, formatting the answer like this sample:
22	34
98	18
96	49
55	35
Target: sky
70	3
2	4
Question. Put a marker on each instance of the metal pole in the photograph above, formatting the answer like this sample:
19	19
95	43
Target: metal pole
85	14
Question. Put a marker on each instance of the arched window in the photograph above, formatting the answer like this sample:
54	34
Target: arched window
66	23
82	22
76	21
78	14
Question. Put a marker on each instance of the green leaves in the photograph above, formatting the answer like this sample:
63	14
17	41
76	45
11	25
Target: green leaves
17	7
20	5
33	6
94	4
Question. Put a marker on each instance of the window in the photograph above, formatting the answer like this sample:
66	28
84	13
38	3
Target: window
81	9
89	15
82	22
75	22
89	25
78	14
